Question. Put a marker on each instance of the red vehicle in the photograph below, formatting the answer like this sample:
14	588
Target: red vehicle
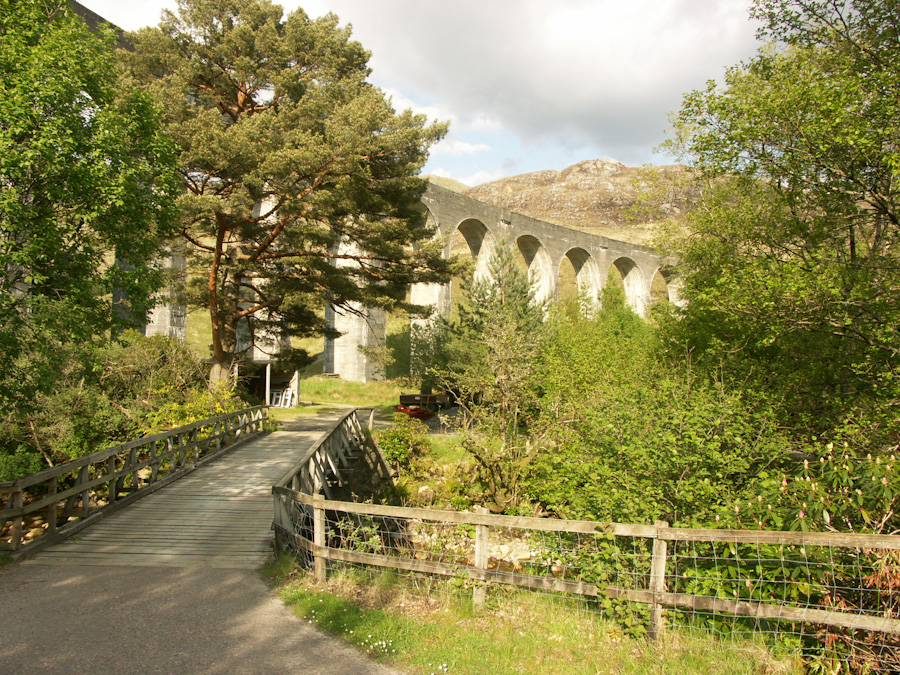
422	406
415	411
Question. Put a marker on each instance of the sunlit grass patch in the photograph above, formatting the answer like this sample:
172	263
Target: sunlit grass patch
391	619
382	395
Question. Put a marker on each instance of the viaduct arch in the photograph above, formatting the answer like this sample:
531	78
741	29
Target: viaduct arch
544	248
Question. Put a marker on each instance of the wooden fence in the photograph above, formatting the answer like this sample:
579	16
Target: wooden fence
849	582
43	508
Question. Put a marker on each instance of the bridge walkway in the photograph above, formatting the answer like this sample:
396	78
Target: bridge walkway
219	515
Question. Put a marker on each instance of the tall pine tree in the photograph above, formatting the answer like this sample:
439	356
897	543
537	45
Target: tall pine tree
291	162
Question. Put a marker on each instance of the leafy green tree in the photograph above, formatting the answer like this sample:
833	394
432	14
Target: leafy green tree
300	180
106	393
490	353
87	177
792	260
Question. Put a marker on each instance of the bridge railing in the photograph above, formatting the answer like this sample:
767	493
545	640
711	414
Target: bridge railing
327	462
828	591
45	507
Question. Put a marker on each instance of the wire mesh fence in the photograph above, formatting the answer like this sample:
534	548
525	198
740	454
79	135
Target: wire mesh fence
803	593
834	598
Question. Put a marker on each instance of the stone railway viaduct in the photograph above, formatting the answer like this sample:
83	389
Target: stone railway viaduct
544	248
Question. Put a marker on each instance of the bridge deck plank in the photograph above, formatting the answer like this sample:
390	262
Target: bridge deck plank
218	516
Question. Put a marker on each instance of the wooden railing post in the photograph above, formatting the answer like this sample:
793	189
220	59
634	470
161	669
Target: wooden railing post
482	539
154	462
282	521
133	461
17	503
657	581
111	470
85	494
51	508
319	538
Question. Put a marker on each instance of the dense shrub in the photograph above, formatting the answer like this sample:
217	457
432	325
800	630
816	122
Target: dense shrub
109	393
631	436
405	439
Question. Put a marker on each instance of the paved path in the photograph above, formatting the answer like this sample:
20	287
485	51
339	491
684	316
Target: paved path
170	584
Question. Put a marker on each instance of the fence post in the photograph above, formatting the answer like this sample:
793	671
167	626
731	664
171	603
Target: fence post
657	581
482	536
319	538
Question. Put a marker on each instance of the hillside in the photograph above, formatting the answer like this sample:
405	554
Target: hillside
602	196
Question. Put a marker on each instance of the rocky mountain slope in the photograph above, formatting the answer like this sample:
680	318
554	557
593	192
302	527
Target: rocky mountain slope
602	196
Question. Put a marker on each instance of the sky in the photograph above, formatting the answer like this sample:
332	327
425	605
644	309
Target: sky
529	85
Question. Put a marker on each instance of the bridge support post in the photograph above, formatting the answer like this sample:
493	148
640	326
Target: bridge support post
169	317
364	327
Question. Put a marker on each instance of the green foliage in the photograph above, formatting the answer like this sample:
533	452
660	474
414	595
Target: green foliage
87	178
490	352
836	487
791	269
300	180
404	440
19	461
108	394
631	436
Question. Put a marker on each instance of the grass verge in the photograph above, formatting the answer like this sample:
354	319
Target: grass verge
395	623
383	396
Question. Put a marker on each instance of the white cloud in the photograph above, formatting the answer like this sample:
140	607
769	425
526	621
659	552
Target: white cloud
456	148
568	80
600	74
484	122
401	101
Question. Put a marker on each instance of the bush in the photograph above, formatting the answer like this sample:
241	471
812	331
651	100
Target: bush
629	435
405	439
107	394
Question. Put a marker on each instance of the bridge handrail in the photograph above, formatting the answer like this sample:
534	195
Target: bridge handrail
332	450
137	468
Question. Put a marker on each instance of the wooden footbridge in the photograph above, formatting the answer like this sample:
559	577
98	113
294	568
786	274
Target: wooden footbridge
131	578
218	516
217	513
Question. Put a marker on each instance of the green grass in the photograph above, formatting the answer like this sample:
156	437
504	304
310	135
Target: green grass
381	395
518	633
446	450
